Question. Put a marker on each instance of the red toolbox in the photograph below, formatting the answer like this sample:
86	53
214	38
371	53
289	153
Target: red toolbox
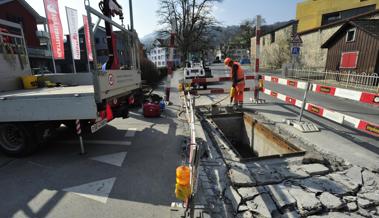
151	110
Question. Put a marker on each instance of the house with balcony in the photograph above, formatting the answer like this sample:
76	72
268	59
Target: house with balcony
19	11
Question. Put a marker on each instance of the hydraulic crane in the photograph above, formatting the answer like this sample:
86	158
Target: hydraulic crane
111	8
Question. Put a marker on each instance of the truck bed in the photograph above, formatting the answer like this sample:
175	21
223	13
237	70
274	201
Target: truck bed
44	104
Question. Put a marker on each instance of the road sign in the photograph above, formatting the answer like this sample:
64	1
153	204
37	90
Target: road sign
295	50
296	39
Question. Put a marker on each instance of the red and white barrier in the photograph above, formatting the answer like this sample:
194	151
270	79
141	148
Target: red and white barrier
213	91
215	79
365	97
365	126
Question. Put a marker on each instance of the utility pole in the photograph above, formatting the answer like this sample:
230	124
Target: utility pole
304	101
170	61
131	14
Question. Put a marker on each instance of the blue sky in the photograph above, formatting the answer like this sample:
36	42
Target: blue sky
229	12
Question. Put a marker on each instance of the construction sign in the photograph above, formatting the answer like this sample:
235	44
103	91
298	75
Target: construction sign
296	41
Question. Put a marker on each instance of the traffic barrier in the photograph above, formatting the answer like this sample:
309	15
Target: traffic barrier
214	91
215	79
362	125
365	97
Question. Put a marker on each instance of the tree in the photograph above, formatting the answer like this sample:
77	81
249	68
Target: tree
192	20
246	31
226	38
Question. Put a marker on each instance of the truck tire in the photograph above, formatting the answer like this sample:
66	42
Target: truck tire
17	140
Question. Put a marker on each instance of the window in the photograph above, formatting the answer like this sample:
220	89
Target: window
349	60
330	18
350	35
272	37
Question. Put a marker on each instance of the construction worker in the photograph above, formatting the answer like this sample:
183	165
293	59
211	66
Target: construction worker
238	80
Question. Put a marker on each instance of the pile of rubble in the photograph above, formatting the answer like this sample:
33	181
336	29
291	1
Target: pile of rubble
314	185
292	189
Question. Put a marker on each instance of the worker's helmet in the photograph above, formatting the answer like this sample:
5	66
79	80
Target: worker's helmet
227	61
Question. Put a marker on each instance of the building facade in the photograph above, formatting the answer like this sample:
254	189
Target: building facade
159	54
312	54
316	13
354	47
275	48
19	11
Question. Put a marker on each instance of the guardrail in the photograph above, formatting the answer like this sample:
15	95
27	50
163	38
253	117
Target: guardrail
347	79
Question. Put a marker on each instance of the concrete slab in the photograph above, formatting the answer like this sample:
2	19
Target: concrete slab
265	174
330	201
234	197
291	172
315	169
307	203
364	203
245	214
240	178
292	214
370	181
373	197
263	206
352	206
355	174
281	196
319	184
337	215
345	181
249	193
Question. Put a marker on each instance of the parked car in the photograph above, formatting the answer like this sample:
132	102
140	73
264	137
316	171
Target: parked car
245	61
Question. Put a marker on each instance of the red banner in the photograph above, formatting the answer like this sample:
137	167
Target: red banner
55	28
88	40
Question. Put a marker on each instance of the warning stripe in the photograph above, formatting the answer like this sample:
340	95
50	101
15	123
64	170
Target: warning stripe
215	79
365	126
213	91
78	128
365	97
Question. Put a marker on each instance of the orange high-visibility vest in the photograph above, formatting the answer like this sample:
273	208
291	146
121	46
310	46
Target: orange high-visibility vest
240	74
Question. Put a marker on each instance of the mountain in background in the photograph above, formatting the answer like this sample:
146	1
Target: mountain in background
148	40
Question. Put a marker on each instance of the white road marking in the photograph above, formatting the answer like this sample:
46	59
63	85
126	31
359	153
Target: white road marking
130	132
98	190
98	142
115	159
41	199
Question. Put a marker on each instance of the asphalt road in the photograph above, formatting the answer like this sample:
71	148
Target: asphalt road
128	171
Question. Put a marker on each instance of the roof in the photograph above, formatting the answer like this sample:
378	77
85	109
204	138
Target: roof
268	29
39	18
340	22
369	26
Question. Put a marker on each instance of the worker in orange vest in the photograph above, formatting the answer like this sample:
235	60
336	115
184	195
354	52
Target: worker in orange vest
238	80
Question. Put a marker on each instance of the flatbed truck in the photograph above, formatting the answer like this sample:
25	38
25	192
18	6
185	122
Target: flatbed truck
28	116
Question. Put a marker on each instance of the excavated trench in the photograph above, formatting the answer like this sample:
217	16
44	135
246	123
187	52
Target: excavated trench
252	140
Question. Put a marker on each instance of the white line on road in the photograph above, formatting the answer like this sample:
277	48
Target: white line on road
115	159
98	190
